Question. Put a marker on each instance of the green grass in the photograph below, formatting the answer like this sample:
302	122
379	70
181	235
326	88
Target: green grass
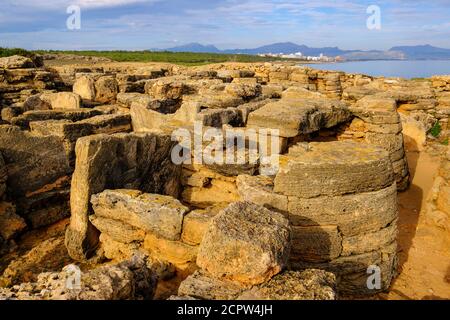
436	130
183	58
6	52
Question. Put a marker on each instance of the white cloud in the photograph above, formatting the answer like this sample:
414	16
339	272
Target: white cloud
56	4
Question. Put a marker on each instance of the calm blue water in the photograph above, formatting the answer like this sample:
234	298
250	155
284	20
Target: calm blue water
404	69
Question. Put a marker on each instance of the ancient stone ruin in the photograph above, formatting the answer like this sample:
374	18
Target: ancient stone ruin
309	205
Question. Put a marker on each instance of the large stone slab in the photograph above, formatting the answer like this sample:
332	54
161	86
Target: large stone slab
154	213
354	214
299	116
246	243
333	168
131	161
32	161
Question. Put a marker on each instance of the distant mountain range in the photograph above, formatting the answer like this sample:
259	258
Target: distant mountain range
422	52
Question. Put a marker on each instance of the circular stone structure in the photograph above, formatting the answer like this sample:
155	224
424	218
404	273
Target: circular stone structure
342	205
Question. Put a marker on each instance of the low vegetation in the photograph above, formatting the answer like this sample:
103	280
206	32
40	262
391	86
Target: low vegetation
6	52
435	131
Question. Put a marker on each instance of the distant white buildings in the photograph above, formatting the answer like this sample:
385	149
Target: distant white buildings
298	55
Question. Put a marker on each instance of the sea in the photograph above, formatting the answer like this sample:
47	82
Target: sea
408	69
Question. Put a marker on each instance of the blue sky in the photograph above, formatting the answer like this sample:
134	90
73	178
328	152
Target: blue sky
145	24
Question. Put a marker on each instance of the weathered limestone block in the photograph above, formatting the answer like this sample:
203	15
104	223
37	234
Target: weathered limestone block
243	163
202	286
393	143
219	117
377	110
290	285
300	93
235	74
40	115
43	208
390	142
168	89
215	100
352	270
127	280
295	116
162	106
32	162
181	255
195	179
3	176
117	230
70	131
106	89
246	91
196	223
127	98
10	223
158	214
118	251
369	241
84	86
217	192
316	243
36	102
246	243
272	90
132	161
309	284
16	62
247	108
333	168
259	190
354	214
62	100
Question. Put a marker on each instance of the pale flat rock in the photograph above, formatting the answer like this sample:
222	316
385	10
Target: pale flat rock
299	116
162	215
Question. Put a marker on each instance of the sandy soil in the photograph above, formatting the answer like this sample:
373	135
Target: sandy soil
424	248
